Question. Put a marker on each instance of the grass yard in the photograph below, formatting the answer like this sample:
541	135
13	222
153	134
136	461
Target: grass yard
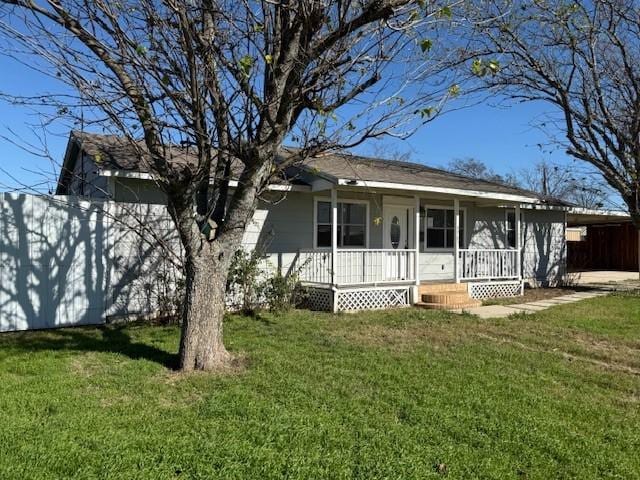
394	395
531	295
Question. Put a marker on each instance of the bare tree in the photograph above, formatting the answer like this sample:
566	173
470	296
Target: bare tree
230	81
391	152
547	179
564	182
472	167
581	58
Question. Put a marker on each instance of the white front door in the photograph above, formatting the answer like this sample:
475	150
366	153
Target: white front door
396	231
397	236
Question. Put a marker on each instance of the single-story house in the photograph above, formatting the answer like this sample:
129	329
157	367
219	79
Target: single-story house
366	232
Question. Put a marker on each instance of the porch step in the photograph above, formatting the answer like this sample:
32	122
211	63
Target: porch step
434	288
446	296
451	306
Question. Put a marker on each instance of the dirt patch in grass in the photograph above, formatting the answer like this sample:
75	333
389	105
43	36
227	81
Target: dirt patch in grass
87	365
527	333
610	365
531	295
403	338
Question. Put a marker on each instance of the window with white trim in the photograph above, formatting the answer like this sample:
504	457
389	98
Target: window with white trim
352	224
439	228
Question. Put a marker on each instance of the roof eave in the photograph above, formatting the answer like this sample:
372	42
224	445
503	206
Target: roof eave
507	197
68	163
233	183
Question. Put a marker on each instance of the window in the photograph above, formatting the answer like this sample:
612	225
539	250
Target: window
440	228
395	232
352	224
510	229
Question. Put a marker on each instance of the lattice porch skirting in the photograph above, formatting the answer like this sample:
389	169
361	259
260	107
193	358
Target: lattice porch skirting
373	298
354	299
481	290
318	299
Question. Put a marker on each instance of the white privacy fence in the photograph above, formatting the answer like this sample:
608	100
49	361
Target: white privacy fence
69	262
488	264
357	266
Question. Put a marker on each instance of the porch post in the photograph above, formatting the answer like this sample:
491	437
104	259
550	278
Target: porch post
518	243
334	248
334	236
416	245
456	239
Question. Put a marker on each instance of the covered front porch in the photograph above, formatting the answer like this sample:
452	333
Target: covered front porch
420	240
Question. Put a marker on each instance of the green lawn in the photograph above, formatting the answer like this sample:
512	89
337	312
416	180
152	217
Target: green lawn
397	395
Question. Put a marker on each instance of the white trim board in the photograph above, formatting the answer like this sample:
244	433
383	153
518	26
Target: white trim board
275	187
449	191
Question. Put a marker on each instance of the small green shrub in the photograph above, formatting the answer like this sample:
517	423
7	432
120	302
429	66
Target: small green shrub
243	283
250	287
283	292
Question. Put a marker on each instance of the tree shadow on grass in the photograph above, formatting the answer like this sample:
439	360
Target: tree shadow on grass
103	339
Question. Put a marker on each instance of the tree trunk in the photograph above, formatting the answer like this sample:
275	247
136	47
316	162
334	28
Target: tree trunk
201	345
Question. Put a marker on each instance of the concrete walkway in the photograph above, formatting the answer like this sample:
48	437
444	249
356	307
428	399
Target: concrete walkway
499	311
600	277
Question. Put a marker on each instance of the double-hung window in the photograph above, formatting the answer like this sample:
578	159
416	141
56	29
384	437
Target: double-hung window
352	224
439	228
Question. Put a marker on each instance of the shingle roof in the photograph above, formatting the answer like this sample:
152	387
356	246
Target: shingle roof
112	152
115	153
346	166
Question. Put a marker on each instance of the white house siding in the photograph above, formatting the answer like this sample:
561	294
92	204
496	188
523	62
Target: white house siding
436	266
132	190
486	227
86	181
544	252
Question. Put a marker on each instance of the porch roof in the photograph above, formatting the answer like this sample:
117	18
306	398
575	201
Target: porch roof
357	171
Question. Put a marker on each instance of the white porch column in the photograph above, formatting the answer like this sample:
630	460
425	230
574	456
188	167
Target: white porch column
518	243
334	247
456	239
416	239
334	235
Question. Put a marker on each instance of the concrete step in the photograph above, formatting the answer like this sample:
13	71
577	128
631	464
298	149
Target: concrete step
451	306
427	288
446	297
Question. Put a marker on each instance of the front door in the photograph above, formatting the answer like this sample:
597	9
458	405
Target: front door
396	221
397	236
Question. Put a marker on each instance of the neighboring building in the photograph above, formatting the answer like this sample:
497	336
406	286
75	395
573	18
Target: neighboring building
609	241
398	226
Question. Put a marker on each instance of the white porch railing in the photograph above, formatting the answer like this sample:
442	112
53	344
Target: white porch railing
357	267
488	264
314	266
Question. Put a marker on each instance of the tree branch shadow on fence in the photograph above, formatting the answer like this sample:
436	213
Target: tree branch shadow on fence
57	270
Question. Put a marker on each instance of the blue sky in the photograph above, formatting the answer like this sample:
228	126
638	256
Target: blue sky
502	137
